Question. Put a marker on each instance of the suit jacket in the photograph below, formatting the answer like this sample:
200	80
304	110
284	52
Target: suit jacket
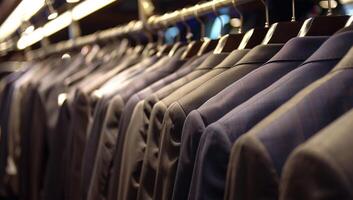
138	125
6	102
127	146
321	168
33	144
55	174
196	122
274	138
175	116
103	110
98	122
170	93
81	110
121	96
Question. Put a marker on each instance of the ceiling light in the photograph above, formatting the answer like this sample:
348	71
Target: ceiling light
61	22
28	40
235	22
23	12
324	4
346	1
52	16
88	7
72	1
29	29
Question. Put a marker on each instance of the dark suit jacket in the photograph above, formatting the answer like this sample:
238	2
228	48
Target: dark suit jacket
273	139
6	101
127	146
54	174
121	96
156	116
175	116
196	122
104	112
33	144
321	168
98	124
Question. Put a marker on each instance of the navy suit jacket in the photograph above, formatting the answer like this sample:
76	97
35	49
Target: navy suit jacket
175	116
209	176
273	139
156	110
322	167
288	58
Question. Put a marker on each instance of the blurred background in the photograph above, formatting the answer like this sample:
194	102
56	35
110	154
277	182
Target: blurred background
37	13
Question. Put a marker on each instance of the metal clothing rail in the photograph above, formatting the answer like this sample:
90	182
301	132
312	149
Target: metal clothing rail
133	26
154	22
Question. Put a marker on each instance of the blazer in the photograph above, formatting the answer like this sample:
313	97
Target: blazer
127	146
98	123
175	116
111	123
218	137
321	168
33	144
196	122
81	107
274	138
5	145
171	93
139	124
103	110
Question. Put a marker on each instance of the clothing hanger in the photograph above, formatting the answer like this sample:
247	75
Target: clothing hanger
349	22
209	44
161	47
139	47
255	36
194	46
179	43
150	48
230	42
323	25
281	32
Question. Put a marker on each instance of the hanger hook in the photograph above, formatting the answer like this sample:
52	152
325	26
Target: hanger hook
214	8
293	11
267	23
329	12
178	39
160	32
202	25
189	34
240	14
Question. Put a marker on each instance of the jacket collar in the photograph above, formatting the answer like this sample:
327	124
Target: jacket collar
334	48
346	62
260	54
299	48
232	58
212	60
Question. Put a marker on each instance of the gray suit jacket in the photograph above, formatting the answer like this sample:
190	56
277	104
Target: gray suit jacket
322	167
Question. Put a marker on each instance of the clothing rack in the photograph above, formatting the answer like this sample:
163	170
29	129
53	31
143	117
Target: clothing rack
154	22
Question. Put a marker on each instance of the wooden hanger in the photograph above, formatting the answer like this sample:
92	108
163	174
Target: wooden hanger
194	46
255	36
323	25
230	42
281	32
177	44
